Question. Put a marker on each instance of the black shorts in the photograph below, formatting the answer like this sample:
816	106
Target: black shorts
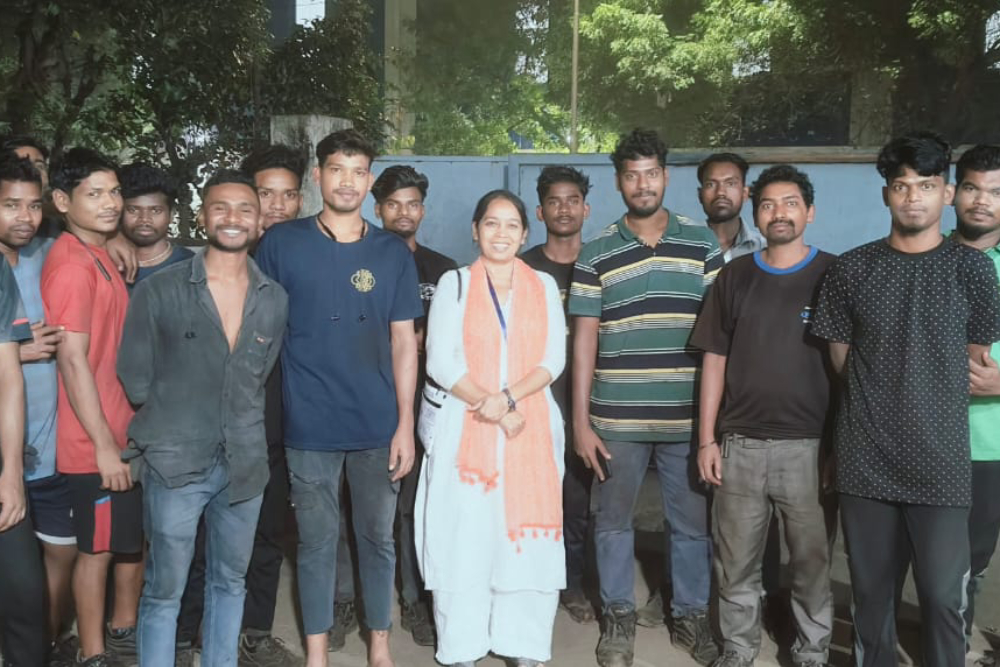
105	520
51	509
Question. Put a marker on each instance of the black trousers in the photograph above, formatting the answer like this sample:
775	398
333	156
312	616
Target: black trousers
22	599
264	573
878	535
984	528
576	516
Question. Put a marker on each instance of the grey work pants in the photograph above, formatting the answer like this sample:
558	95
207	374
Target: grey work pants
756	476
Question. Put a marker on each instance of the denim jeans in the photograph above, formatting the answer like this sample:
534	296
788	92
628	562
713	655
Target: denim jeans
686	509
315	478
171	522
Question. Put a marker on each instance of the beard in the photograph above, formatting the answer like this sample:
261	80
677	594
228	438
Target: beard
971	232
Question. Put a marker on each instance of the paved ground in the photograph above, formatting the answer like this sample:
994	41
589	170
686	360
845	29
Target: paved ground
573	644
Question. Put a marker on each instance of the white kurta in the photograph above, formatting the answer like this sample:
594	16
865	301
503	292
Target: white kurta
461	530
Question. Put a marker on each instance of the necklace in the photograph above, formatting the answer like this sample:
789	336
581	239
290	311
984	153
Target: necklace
152	261
329	232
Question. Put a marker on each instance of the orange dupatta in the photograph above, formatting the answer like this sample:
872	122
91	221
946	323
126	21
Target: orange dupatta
532	494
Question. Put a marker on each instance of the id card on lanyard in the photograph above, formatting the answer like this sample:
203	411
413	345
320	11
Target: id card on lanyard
496	305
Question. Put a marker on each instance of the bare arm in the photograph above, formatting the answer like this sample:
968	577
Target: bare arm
81	389
587	444
404	372
838	356
12	505
713	383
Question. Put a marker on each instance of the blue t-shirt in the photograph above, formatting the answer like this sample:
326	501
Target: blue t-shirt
336	360
41	383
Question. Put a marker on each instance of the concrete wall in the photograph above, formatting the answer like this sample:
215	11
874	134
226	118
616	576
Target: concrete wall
849	208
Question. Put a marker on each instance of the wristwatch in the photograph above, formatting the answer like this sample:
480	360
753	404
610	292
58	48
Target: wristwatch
511	403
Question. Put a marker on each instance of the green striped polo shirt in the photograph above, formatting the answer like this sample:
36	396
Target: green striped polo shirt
647	299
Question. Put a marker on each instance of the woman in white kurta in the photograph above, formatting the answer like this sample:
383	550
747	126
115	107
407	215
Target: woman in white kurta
488	509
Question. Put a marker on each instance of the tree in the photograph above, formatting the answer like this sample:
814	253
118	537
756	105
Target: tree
794	71
328	67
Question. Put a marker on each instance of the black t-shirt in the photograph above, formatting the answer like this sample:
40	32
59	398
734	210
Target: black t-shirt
777	384
431	266
179	254
902	431
563	275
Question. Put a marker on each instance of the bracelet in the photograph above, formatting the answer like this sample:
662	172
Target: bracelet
708	444
511	403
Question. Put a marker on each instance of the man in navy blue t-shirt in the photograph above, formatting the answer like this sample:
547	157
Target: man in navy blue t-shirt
349	367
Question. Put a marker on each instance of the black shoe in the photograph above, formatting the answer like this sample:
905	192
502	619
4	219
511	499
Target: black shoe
184	655
576	604
651	615
121	642
693	633
265	651
345	621
63	651
732	659
416	619
616	647
106	659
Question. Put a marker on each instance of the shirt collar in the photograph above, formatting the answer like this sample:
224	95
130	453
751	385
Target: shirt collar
258	280
673	227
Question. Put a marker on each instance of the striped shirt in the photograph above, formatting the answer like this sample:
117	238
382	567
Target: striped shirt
647	299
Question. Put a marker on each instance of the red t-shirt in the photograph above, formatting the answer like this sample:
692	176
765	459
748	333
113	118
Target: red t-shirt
80	297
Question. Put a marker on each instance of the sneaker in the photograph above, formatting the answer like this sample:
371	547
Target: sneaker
694	634
616	647
732	659
416	619
184	655
121	642
651	615
63	651
345	621
989	659
106	659
265	651
576	604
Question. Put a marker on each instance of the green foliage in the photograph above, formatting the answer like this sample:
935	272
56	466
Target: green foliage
329	68
188	85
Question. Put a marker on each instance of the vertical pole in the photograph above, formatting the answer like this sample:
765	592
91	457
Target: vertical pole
573	132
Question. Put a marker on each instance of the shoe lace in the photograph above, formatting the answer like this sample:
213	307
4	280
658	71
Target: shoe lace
617	625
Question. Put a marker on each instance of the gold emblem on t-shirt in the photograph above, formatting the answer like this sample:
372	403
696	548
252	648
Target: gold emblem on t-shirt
363	280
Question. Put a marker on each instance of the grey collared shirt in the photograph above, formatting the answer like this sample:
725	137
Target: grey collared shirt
748	240
197	399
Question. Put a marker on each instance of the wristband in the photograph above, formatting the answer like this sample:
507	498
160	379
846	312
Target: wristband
708	444
511	403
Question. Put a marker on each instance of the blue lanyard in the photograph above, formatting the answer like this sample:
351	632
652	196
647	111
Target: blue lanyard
496	305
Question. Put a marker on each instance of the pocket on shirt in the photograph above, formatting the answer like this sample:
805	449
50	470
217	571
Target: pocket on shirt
257	352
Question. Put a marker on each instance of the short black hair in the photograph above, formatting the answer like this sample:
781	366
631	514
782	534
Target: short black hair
75	165
978	158
561	174
723	158
397	177
927	153
782	173
637	145
15	141
224	177
138	179
348	142
491	196
18	169
275	156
